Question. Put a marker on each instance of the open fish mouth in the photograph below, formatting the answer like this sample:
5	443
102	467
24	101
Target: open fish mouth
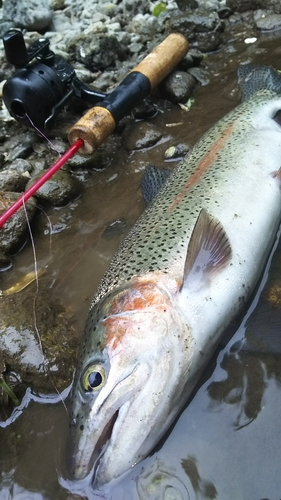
102	443
90	461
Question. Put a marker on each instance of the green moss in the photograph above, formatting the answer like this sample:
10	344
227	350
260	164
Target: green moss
158	9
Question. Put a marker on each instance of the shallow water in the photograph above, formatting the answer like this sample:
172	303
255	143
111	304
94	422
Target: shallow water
226	444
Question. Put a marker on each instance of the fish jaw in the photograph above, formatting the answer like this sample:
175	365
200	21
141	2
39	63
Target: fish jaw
100	418
148	349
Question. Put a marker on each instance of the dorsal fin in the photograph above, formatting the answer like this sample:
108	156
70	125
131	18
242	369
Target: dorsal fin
253	78
153	180
209	251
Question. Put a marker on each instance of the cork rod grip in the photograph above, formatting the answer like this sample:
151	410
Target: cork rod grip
93	128
100	121
160	62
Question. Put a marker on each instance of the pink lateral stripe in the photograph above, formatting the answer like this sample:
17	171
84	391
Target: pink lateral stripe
203	165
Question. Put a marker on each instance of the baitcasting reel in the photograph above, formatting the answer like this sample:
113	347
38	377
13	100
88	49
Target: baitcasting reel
40	89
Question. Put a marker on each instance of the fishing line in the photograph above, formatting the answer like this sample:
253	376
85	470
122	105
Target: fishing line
42	134
50	230
35	302
36	279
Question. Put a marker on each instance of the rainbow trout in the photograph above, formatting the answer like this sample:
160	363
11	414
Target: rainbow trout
179	278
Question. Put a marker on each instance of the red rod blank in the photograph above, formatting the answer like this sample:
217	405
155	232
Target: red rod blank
37	184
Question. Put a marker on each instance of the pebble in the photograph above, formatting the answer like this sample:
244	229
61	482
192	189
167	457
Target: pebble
15	176
202	28
14	232
267	21
178	86
28	14
140	136
244	5
176	152
20	145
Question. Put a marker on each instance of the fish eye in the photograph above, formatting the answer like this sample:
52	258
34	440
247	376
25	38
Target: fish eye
93	378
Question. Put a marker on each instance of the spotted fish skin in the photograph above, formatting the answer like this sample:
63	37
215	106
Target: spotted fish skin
177	280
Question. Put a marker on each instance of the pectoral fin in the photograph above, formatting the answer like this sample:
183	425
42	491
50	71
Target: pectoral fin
209	251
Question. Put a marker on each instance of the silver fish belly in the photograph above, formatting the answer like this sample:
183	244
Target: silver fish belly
178	279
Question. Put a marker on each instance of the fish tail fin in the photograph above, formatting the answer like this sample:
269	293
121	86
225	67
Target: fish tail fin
252	78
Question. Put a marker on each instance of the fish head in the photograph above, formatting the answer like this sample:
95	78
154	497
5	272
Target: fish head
129	380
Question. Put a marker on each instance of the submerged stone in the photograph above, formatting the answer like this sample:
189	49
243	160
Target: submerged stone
59	190
140	136
15	231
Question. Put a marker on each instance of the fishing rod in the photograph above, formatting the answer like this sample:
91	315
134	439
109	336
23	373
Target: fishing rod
53	81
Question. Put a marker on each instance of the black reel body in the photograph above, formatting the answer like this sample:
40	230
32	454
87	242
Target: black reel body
34	92
37	91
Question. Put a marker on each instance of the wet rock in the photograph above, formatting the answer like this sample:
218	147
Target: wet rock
15	176
177	152
140	136
144	111
14	232
202	28
20	145
202	76
178	86
98	161
187	4
78	162
192	58
199	21
59	190
99	52
38	165
208	42
30	14
58	145
244	5
267	21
